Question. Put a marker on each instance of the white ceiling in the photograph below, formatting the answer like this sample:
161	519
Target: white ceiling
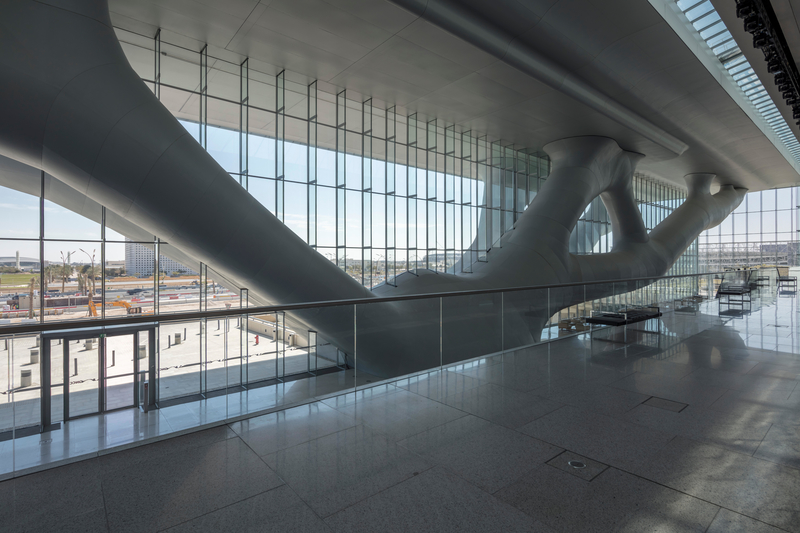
373	48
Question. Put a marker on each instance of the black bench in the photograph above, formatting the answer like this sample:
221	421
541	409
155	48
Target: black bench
622	318
736	296
733	290
785	280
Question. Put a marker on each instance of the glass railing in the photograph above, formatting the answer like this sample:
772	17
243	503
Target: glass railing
199	368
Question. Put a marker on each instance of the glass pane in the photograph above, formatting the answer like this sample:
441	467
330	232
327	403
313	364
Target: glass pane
415	343
83	376
18	281
25	382
223	134
179	358
69	216
119	364
233	348
471	327
19	214
264	347
785	198
180	282
261	149
119	392
524	317
179	67
56	380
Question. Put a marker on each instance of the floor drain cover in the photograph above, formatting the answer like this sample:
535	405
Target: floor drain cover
577	464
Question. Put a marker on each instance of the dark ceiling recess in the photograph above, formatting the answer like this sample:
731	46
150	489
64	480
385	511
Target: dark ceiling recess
760	20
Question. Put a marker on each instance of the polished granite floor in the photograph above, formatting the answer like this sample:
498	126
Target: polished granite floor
696	428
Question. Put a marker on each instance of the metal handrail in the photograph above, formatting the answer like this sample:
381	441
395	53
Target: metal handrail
222	313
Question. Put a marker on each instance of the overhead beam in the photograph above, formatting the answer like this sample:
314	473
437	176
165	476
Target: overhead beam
465	24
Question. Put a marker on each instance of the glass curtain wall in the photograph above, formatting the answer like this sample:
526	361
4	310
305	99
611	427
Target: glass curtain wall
656	201
373	189
761	231
376	191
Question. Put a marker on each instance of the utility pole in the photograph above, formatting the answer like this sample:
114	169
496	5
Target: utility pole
30	295
91	257
64	273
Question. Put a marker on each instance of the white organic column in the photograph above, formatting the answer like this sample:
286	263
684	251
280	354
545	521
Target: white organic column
74	108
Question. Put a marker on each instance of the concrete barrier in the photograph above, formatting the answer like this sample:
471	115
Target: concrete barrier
268	329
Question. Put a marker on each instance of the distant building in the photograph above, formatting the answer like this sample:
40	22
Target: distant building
139	259
22	263
714	257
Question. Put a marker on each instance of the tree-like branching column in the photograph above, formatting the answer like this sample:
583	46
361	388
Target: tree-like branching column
71	105
536	251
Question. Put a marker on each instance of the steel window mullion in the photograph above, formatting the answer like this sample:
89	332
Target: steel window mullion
739	67
692	6
755	92
157	64
341	177
244	123
704	28
204	97
720	32
721	43
280	139
366	189
311	165
709	13
735	62
727	52
750	85
734	56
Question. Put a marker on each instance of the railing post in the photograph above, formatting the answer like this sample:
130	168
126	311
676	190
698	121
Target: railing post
502	323
355	347
441	333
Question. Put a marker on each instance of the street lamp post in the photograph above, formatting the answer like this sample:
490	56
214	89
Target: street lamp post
64	270
91	257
